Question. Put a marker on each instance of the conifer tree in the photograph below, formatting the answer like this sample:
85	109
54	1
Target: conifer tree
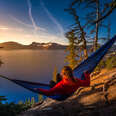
32	101
72	50
78	30
54	74
40	98
77	40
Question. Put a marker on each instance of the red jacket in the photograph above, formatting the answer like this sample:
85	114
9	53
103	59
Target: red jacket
67	86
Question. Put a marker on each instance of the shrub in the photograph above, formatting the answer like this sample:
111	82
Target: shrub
111	62
108	62
13	109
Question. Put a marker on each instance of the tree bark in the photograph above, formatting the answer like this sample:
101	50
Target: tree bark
97	26
82	34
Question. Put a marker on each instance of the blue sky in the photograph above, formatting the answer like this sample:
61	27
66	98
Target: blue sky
25	21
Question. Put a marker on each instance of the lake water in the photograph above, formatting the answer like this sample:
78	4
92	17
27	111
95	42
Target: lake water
29	65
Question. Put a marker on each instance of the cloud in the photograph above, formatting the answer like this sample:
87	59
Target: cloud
35	27
6	28
28	36
20	22
60	28
22	34
3	28
30	15
26	25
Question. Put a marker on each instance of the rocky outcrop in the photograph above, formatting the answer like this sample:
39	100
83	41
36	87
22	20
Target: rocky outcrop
99	100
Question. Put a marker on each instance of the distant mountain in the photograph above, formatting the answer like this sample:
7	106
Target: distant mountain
49	45
33	45
12	45
36	45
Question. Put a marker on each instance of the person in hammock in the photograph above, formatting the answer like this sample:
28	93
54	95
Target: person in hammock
68	85
58	79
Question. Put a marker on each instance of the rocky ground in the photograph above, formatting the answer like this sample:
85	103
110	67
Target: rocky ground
99	100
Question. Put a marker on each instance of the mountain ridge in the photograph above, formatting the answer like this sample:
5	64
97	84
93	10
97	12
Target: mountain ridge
33	45
11	45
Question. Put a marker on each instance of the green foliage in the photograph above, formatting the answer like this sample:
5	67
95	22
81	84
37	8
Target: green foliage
72	49
29	102
40	98
101	65
32	101
13	109
2	98
10	109
108	62
111	62
80	33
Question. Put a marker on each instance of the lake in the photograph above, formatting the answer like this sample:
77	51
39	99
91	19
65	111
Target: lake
29	65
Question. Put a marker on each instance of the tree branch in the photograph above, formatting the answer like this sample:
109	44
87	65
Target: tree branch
107	14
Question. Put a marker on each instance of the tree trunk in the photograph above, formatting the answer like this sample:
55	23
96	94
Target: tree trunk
82	35
84	46
109	29
97	26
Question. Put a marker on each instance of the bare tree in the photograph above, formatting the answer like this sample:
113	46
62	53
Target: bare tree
112	7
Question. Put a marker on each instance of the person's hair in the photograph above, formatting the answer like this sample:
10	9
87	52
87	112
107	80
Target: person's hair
67	71
58	77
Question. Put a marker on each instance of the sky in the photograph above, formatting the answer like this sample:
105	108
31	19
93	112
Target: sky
25	21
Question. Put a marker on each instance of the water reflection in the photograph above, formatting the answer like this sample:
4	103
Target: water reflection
31	65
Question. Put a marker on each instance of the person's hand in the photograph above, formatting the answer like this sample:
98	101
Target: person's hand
86	72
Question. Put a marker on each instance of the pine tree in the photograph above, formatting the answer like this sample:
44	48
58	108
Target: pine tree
71	49
77	39
93	14
95	9
40	98
54	74
78	30
32	101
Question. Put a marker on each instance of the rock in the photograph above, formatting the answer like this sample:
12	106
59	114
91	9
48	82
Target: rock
88	102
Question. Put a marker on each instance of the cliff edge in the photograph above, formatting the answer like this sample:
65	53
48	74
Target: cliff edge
99	100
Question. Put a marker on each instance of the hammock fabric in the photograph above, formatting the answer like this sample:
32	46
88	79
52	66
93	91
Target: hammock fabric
87	65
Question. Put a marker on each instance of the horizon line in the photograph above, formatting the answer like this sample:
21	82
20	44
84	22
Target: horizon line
32	42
